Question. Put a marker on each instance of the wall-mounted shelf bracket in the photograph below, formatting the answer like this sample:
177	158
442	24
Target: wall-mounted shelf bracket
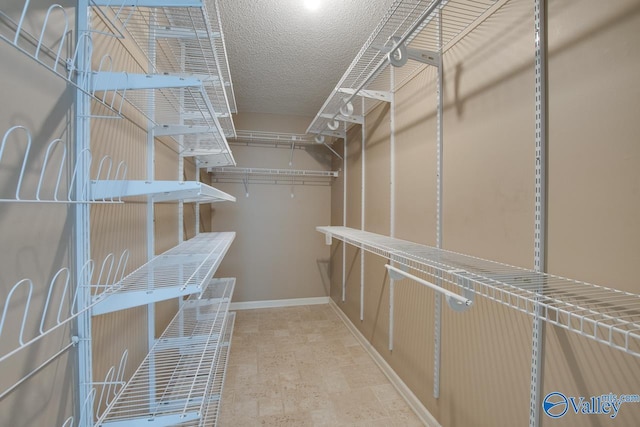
420	55
334	133
378	95
109	81
351	119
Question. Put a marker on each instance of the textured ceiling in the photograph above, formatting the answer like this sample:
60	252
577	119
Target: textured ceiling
286	59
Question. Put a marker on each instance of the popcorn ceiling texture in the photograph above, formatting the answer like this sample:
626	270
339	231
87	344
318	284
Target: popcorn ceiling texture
285	59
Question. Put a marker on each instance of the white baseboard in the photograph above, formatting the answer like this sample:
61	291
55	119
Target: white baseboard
249	305
421	411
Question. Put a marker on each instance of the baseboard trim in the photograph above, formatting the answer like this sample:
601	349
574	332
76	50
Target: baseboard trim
421	411
292	302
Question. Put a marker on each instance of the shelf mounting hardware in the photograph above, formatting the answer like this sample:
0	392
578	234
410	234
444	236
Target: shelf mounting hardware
399	54
378	95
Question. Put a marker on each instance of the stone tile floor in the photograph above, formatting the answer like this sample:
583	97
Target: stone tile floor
300	366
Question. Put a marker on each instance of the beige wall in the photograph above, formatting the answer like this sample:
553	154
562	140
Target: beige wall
276	254
488	208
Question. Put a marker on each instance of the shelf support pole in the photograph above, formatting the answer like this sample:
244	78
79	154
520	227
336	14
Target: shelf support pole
362	206
439	188
344	213
392	188
150	229
81	237
540	231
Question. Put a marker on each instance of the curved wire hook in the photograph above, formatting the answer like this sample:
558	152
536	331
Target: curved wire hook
26	308
44	27
48	300
52	144
26	154
74	176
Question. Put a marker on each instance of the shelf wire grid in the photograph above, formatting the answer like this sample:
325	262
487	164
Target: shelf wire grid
190	264
189	40
212	410
175	382
603	314
414	21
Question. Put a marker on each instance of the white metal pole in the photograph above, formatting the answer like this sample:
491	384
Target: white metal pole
81	236
344	213
538	333
439	168
392	189
197	225
362	206
151	312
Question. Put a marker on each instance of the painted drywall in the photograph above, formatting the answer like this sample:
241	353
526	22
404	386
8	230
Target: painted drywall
488	208
276	253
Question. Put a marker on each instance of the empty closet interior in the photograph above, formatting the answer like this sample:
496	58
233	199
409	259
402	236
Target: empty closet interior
457	179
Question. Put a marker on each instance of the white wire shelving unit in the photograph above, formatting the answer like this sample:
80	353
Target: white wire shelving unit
179	380
184	93
182	41
180	271
408	30
189	41
606	315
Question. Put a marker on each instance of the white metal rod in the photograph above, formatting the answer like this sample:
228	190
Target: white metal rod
439	166
36	370
443	291
392	156
151	312
391	302
82	236
344	214
362	205
540	220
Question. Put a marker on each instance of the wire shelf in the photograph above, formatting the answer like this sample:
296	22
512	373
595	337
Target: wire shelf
413	22
182	113
182	270
188	40
160	191
175	382
606	315
212	409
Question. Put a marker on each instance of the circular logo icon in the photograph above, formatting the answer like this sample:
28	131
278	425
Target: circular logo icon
555	404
